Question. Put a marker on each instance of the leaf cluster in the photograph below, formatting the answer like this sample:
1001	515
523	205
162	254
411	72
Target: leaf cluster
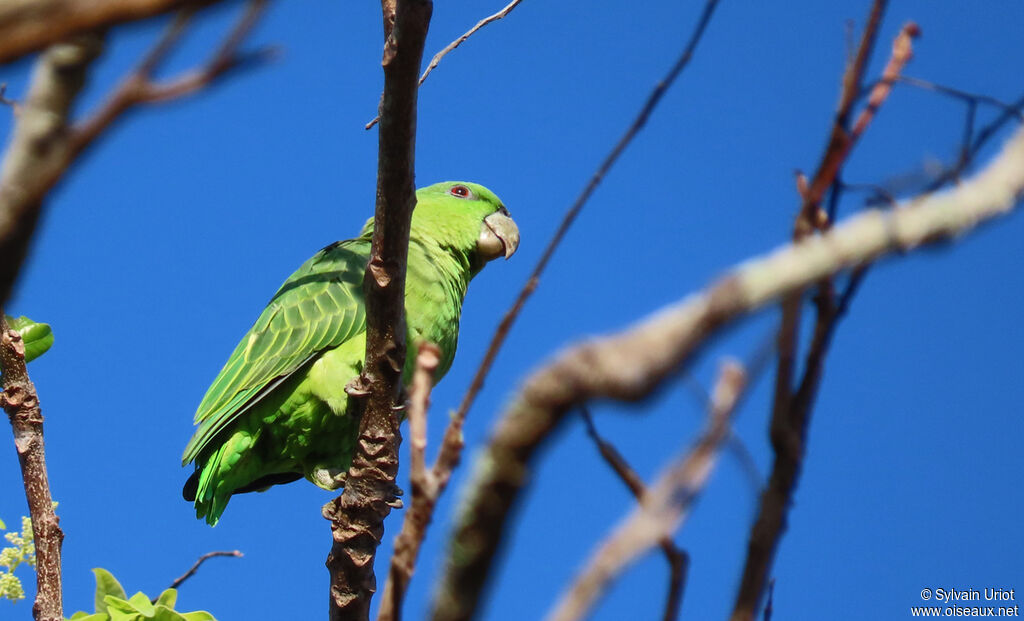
113	604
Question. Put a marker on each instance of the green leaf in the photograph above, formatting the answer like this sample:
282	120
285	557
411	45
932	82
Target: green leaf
116	604
142	604
116	615
2	525
164	613
38	337
106	585
168	598
199	615
81	615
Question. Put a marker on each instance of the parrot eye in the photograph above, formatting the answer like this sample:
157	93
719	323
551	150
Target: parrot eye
460	191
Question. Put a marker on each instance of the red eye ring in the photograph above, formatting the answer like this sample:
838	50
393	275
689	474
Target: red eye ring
460	191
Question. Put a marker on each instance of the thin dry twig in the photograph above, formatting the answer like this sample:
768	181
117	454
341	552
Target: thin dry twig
450	452
202	559
436	60
791	408
678	560
357	516
139	87
631	365
20	401
661	510
424	488
45	144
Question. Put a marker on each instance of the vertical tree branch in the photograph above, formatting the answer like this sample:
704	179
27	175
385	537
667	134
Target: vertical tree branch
424	488
37	152
22	405
357	515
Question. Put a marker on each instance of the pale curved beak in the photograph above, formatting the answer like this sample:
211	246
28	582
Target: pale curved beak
499	236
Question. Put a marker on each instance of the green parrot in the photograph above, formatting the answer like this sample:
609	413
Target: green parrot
278	410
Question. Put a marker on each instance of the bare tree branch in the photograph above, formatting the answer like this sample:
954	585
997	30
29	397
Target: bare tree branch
630	365
357	515
44	144
139	88
195	566
791	409
38	149
661	510
424	488
27	26
450	453
456	43
678	560
20	401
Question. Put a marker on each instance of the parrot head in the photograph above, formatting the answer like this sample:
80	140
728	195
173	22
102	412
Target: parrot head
469	217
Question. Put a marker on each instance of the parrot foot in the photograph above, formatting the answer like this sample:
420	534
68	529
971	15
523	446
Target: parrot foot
329	478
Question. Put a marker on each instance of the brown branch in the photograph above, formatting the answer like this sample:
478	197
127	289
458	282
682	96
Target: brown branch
456	43
678	560
44	145
630	365
38	150
139	88
22	405
357	515
28	26
424	488
791	410
661	510
202	559
450	453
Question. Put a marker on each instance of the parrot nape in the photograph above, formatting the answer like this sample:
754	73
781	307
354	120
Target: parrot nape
278	410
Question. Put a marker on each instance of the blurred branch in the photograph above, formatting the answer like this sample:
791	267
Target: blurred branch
27	26
630	365
44	144
38	150
424	488
791	410
357	515
678	560
140	88
661	510
450	453
21	403
456	43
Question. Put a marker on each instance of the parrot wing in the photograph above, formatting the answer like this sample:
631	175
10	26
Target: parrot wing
320	306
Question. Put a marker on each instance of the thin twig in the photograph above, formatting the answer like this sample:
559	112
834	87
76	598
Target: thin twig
424	488
791	410
678	560
20	401
451	447
631	365
139	87
662	508
202	559
456	43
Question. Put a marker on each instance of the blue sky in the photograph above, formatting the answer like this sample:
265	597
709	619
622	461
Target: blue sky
166	240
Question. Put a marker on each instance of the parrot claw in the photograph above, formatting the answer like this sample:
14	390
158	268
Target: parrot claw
357	387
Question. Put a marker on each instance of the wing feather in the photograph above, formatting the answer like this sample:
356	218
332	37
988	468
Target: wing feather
319	307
